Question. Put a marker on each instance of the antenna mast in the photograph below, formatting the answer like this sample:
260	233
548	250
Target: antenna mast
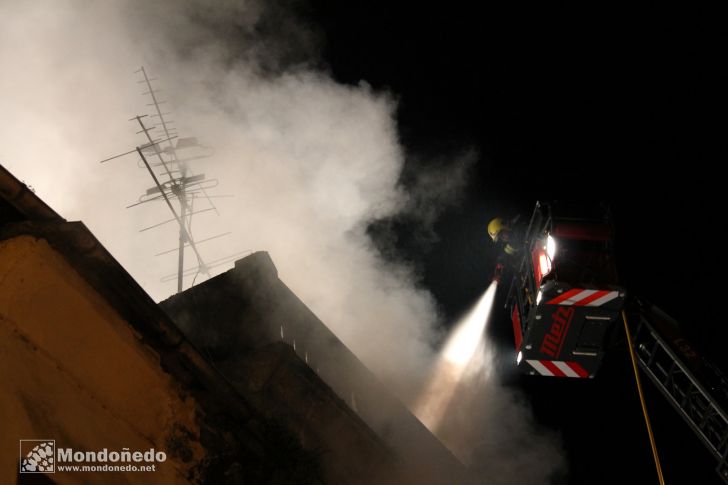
174	182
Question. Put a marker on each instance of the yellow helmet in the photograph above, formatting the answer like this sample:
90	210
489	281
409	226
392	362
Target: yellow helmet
495	227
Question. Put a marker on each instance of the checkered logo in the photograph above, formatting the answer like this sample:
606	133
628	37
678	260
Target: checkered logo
37	456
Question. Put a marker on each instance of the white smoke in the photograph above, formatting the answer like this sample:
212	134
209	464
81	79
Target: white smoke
491	428
309	161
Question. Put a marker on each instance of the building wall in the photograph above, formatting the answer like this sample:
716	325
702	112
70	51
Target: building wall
249	307
72	370
89	360
281	386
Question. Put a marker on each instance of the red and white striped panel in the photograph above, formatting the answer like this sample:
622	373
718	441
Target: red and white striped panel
581	297
558	368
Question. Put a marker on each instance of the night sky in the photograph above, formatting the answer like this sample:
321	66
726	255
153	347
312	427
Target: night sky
565	102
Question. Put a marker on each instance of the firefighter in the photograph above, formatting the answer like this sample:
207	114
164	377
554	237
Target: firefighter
502	234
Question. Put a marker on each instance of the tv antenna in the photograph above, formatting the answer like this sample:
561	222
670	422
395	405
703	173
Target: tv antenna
175	182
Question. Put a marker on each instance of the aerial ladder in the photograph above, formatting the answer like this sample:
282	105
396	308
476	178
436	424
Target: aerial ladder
693	386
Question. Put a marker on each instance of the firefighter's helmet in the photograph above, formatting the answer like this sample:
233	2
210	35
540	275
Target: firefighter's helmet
495	228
